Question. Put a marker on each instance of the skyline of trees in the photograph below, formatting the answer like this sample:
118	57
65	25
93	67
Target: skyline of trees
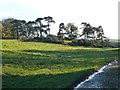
14	28
96	33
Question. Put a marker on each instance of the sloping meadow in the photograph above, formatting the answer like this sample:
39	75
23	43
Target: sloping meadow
44	65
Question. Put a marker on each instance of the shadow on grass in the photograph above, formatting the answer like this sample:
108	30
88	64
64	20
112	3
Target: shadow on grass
64	80
48	59
71	58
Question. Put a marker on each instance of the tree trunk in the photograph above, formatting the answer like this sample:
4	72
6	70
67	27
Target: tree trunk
40	33
17	35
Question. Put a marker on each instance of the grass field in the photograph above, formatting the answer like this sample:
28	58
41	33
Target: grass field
115	43
43	65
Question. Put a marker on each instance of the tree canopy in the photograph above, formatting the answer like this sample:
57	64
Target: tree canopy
14	28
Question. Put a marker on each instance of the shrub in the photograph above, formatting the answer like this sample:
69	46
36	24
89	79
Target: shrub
54	39
26	39
82	42
93	43
48	39
115	44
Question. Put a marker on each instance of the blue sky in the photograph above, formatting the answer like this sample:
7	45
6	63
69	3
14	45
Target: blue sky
95	12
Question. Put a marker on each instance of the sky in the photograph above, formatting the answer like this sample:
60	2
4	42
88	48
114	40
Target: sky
95	12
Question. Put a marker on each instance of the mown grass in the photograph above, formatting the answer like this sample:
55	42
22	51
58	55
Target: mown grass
43	65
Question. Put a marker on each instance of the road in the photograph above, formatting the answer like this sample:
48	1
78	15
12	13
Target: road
107	77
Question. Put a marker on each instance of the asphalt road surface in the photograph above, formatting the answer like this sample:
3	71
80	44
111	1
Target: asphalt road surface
106	77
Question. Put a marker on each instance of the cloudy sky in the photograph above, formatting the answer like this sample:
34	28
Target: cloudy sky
95	12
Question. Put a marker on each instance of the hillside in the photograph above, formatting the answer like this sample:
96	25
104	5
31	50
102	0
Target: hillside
114	43
44	65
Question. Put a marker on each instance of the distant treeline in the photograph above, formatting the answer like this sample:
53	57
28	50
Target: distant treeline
39	30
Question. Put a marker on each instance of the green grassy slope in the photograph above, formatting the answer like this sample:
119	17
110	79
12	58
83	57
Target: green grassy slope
114	43
43	65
